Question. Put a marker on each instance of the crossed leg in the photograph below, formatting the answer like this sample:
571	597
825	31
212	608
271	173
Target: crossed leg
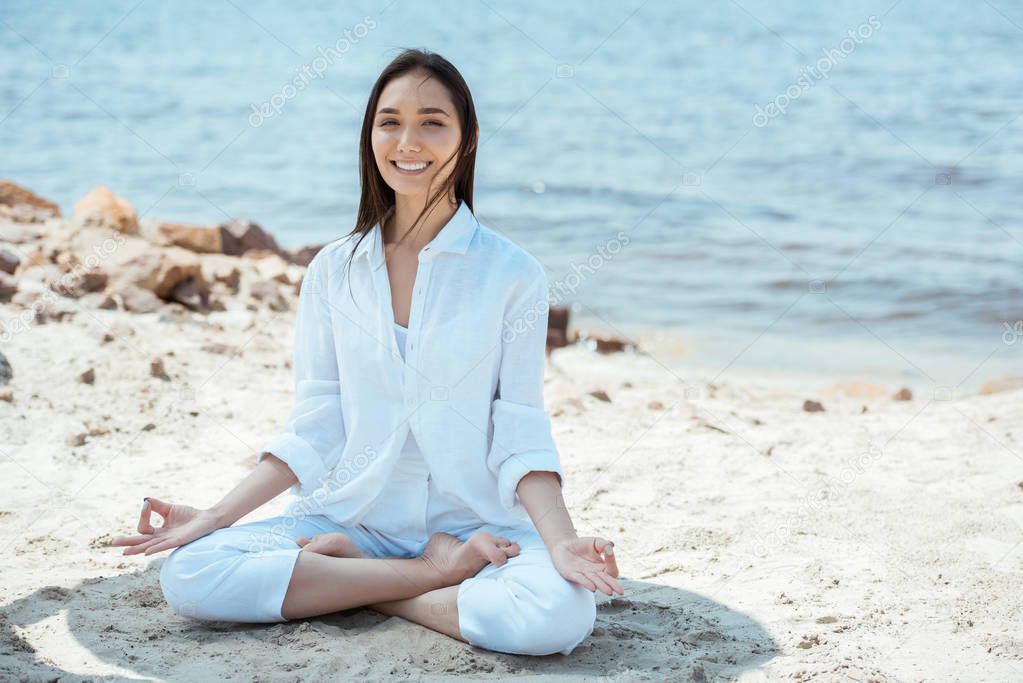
522	606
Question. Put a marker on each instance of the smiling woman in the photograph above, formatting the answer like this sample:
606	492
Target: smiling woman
425	479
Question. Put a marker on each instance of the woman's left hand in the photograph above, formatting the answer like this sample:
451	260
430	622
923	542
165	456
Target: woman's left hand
588	561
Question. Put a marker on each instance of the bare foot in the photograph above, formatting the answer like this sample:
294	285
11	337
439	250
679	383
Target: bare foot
458	560
334	544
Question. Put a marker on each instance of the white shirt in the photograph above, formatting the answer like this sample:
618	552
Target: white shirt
410	507
470	387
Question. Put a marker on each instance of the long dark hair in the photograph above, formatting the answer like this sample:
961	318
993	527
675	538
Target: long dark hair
376	204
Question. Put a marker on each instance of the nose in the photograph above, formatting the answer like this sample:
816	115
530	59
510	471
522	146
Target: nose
408	139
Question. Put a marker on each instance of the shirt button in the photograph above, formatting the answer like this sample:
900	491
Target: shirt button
410	401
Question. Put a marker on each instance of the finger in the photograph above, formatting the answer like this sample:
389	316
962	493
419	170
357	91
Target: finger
512	550
163	545
600	583
610	560
581	579
142	547
303	540
160	507
613	583
144	526
130	540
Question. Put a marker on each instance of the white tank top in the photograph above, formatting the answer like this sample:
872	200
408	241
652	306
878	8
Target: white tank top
410	506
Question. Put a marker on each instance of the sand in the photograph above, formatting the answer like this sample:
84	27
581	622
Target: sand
757	541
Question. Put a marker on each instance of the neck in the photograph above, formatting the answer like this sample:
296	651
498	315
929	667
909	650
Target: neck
407	209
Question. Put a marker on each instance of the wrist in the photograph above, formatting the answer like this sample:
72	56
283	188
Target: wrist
220	516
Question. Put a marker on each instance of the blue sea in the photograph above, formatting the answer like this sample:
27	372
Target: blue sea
816	187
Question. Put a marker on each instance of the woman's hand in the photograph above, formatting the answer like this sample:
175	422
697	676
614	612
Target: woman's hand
181	524
588	561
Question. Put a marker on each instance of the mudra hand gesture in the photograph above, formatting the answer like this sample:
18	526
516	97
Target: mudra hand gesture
588	561
181	524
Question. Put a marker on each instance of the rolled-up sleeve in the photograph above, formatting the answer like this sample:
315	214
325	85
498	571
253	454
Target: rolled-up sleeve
314	435
522	438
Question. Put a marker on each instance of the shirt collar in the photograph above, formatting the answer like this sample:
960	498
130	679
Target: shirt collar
454	237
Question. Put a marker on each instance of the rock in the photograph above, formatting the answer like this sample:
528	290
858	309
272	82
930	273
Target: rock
602	343
202	239
903	394
270	266
76	284
813	406
138	300
997	386
600	394
269	293
557	327
102	207
189	293
107	303
8	287
9	260
238	236
87	377
156	370
76	440
16	234
304	255
6	371
7	395
23	205
162	271
26	299
222	349
655	405
229	278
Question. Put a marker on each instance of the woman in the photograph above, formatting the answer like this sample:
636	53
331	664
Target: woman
425	480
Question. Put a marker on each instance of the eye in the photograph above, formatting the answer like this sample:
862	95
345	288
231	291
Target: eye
384	123
436	123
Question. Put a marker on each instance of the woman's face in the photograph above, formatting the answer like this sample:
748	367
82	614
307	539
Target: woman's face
415	122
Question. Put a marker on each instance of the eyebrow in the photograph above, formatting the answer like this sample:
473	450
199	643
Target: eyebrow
424	110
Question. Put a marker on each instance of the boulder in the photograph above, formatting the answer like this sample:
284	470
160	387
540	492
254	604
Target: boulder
239	236
6	371
137	300
201	239
997	386
22	205
9	260
602	343
17	234
269	293
102	207
77	281
162	271
304	255
8	287
557	327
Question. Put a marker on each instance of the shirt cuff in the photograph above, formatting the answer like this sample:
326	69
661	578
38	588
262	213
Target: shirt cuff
518	466
302	458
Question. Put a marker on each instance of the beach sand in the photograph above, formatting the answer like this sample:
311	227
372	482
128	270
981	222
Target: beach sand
756	541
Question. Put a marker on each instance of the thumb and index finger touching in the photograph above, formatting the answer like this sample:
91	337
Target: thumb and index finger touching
149	506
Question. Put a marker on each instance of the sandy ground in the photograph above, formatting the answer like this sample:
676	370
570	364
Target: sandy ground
756	541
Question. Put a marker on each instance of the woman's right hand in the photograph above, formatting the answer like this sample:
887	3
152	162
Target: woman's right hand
181	524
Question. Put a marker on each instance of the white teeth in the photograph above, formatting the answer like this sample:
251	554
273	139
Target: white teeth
411	166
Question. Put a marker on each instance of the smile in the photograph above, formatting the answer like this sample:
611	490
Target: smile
410	167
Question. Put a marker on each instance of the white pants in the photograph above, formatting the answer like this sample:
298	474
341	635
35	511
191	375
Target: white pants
241	573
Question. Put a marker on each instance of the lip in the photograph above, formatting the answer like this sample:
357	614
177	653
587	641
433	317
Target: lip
404	172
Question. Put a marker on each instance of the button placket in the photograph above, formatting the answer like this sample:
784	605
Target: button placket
415	314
